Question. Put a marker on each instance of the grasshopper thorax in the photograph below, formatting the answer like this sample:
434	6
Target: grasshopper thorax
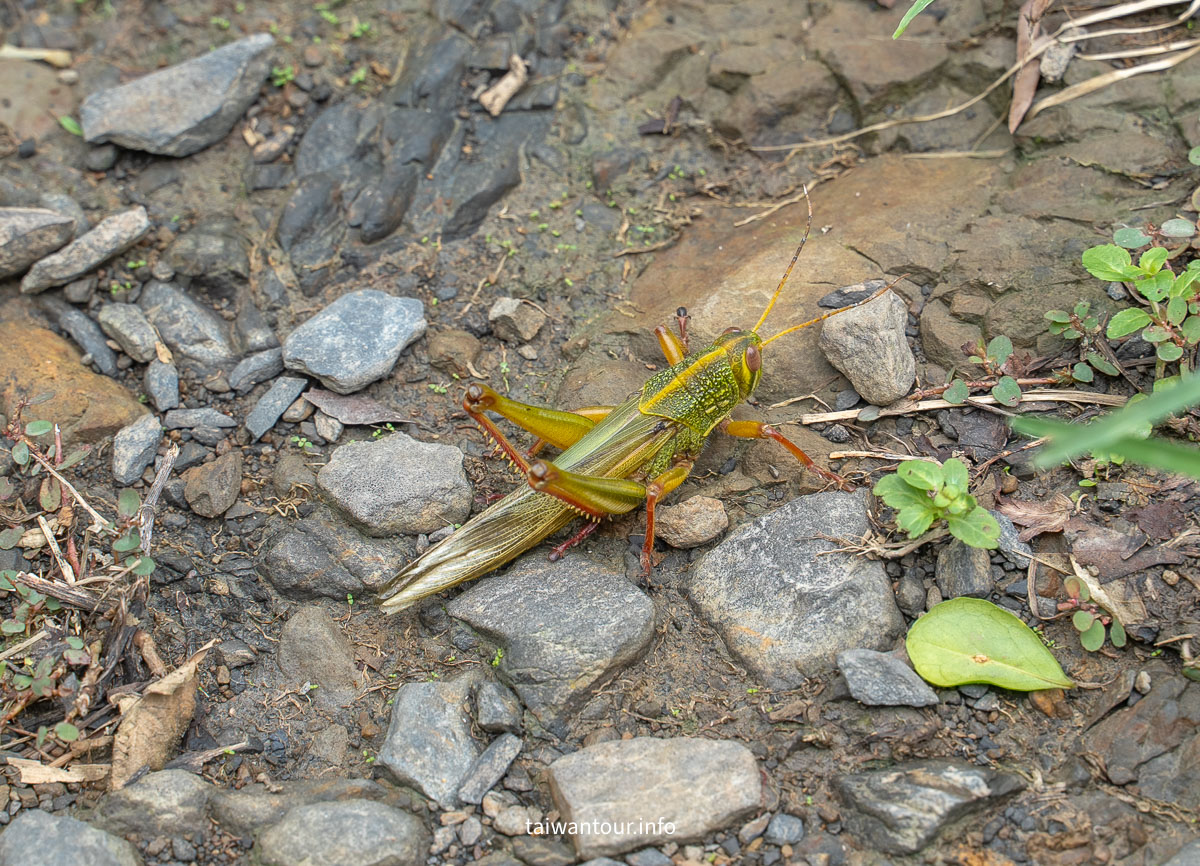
743	353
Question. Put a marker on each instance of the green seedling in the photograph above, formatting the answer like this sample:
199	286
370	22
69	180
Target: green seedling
924	493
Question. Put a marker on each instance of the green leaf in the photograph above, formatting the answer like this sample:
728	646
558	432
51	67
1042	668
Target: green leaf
1082	309
128	502
1169	352
1127	322
127	542
144	566
969	640
958	392
1082	373
1076	588
1116	634
1178	228
11	626
915	521
75	457
1007	391
1155	334
1000	349
1194	156
1131	238
50	495
1110	263
71	125
38	428
20	453
1181	287
922	474
1092	639
1153	259
66	732
1157	287
956	477
1191	329
913	11
1098	361
976	528
896	493
1060	316
6	577
10	537
1082	620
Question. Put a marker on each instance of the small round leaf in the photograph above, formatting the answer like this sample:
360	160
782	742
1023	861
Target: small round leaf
1092	639
1130	239
66	732
1082	373
1116	634
958	392
1007	391
38	428
1127	322
1169	352
1178	228
1082	620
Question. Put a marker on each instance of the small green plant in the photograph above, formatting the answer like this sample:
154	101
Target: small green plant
301	442
1089	619
438	388
361	29
380	432
134	264
1083	325
923	493
498	657
219	22
71	125
1171	319
281	76
993	358
358	76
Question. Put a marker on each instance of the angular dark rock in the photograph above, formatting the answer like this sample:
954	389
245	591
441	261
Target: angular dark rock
183	108
213	487
35	838
127	324
134	448
191	330
489	768
271	406
878	679
343	833
869	346
313	650
28	234
256	368
166	802
964	570
111	237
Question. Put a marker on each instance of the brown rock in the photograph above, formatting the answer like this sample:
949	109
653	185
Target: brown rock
692	522
213	487
86	405
452	350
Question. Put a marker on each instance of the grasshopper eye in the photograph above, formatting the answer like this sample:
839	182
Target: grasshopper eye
753	359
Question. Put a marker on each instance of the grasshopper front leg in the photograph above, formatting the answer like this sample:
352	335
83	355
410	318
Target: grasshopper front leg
598	497
759	430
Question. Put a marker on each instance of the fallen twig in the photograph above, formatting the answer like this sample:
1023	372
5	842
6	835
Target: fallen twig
1042	396
497	96
146	513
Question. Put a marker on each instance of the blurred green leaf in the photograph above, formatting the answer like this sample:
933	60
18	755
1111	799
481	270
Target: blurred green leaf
913	11
128	502
1092	639
1082	373
71	125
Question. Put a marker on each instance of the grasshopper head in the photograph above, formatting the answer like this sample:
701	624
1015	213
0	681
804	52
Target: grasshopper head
744	351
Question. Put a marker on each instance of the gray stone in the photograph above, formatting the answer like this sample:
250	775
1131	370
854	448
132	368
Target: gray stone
185	419
489	768
80	291
784	829
313	650
282	393
1166	718
191	330
910	593
429	744
256	368
355	340
648	857
111	237
1188	855
900	810
212	488
541	851
127	324
84	331
321	556
162	803
1015	550
639	785
869	346
212	256
183	108
134	448
880	680
345	833
398	484
60	202
161	382
964	570
784	602
515	321
27	234
328	428
566	628
496	708
470	831
245	810
37	838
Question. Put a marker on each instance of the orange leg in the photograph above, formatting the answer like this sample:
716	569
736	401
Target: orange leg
759	430
656	490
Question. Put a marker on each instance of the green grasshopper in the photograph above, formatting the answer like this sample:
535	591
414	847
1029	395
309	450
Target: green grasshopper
614	457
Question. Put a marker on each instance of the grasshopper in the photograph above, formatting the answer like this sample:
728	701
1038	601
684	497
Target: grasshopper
614	458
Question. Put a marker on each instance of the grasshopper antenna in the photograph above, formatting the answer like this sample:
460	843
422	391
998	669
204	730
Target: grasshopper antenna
792	264
865	300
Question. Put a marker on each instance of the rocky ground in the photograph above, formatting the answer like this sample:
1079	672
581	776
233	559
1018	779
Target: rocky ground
281	239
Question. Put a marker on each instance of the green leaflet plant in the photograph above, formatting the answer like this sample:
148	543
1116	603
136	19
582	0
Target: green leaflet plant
923	493
1082	325
1089	619
993	358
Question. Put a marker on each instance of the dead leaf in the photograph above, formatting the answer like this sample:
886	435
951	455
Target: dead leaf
352	409
1161	520
1037	517
37	773
1116	597
153	724
1115	554
1029	26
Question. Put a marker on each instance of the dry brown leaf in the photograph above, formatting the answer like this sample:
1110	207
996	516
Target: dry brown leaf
37	773
153	724
1115	554
1029	27
1037	517
1116	597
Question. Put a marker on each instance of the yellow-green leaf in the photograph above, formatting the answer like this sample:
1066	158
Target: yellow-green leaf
969	640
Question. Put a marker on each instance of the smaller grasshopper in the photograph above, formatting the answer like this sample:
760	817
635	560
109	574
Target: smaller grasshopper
614	457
